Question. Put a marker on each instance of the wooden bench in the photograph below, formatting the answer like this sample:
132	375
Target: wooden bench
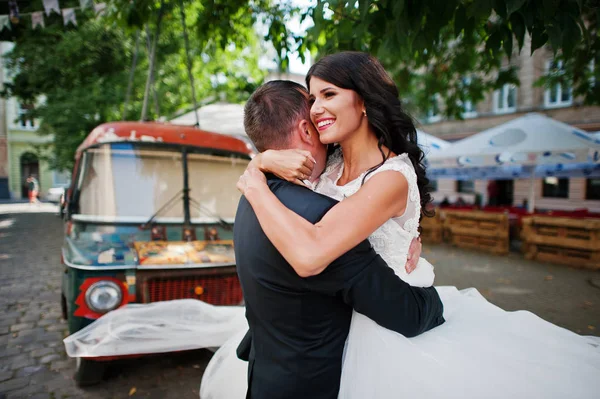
574	242
478	230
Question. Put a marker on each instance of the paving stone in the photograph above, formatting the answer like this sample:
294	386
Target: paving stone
19	361
9	351
46	322
5	375
26	392
29	370
4	330
14	383
62	365
29	318
49	358
41	352
21	327
56	327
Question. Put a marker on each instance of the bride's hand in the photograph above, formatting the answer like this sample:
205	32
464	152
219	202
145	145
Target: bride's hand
292	165
414	253
251	179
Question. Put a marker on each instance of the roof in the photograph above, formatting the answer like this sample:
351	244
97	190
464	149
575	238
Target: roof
153	132
224	118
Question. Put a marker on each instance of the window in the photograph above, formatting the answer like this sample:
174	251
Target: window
465	186
558	95
505	99
592	189
468	107
433	113
553	187
25	120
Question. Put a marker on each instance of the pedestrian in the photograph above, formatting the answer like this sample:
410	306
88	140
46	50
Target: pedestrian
33	187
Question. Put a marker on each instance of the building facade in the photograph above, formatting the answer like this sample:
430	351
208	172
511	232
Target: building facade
509	103
21	146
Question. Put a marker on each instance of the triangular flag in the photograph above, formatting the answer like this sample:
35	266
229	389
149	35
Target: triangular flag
99	8
4	22
69	16
85	4
37	19
51	5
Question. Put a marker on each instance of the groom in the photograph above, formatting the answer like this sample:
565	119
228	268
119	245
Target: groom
298	326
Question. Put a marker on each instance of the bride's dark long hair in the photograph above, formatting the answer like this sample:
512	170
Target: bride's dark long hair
393	127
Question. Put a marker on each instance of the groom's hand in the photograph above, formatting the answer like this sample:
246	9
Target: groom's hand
414	253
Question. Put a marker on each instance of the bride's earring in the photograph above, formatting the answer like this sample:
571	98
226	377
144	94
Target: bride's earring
364	112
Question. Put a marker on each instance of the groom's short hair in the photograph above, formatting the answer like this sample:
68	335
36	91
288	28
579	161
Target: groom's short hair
272	112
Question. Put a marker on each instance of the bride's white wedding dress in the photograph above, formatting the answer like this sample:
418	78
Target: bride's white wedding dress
481	351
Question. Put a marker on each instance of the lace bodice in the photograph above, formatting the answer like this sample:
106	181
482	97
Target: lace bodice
392	240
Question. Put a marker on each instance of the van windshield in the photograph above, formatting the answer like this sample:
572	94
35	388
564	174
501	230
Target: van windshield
129	182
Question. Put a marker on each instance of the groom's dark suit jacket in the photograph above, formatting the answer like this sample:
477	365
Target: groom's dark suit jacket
298	326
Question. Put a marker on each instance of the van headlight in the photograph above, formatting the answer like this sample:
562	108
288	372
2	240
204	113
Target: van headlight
103	296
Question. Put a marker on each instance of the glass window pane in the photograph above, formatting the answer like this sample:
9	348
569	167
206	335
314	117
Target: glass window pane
565	94
592	191
554	94
510	101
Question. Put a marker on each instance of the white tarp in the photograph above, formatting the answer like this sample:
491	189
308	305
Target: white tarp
533	139
156	328
220	118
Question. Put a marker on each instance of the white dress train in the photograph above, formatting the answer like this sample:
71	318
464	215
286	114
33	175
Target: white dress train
481	351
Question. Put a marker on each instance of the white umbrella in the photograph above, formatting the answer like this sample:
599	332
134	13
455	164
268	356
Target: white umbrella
219	118
430	144
531	140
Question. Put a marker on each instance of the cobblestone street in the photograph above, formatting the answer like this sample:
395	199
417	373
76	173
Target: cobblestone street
33	362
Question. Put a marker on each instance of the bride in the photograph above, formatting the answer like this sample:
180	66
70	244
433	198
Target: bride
376	172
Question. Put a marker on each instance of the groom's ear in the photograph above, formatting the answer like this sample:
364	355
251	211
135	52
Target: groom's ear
307	132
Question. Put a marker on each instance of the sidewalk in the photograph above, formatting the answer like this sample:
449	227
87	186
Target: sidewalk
18	206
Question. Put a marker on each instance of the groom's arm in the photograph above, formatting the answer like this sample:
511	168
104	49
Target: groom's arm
370	286
362	277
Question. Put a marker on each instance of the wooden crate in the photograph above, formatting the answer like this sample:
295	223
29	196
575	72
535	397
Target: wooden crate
478	230
575	242
431	228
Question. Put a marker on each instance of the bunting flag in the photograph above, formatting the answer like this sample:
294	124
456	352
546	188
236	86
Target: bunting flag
85	4
99	8
4	22
51	5
69	16
37	19
14	11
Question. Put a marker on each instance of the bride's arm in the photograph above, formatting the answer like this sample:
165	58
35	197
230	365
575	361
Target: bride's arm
292	165
311	248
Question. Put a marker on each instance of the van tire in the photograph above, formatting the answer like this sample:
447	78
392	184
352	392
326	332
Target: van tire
88	372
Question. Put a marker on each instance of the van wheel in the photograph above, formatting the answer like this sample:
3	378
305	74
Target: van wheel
63	307
88	372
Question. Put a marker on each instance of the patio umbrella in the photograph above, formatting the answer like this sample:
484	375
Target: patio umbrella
429	143
542	144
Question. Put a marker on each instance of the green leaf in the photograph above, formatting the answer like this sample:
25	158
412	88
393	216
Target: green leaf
364	6
500	8
550	7
507	42
480	9
460	18
555	36
514	5
538	38
493	42
398	8
517	23
571	37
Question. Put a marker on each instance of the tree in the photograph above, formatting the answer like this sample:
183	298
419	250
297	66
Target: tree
78	76
430	46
